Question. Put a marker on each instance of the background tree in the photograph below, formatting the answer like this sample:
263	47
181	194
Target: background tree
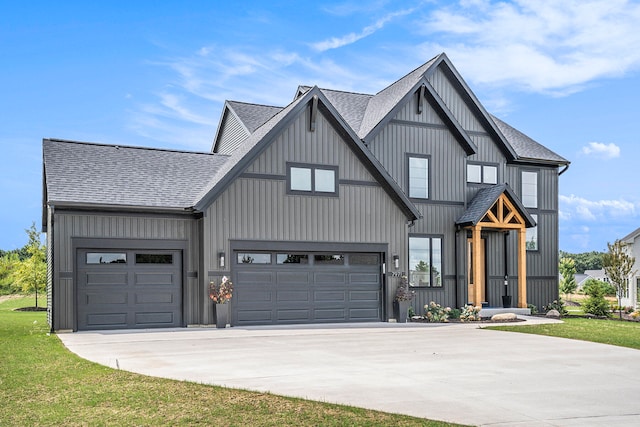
619	266
609	290
9	261
568	283
585	261
31	273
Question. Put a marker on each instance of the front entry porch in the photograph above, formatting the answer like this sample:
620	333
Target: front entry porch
495	210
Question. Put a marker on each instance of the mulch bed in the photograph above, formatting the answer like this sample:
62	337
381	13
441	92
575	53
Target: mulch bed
30	309
483	320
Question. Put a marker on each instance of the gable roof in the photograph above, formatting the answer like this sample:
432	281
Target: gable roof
526	148
629	238
253	115
485	199
99	175
255	144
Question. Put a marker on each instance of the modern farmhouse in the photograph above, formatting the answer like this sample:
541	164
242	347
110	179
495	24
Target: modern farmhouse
314	210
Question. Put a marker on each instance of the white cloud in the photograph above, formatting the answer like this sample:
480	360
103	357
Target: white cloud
538	45
336	42
579	208
607	151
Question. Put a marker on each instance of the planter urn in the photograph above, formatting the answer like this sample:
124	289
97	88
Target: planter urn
506	301
401	310
222	315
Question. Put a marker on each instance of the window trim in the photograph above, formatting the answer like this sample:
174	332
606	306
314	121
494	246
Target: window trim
537	230
537	172
408	157
442	259
312	168
482	174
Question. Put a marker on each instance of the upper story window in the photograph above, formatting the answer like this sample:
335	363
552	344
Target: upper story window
482	174
312	179
530	189
418	167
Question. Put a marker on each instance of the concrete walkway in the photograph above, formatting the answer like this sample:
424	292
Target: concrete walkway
452	372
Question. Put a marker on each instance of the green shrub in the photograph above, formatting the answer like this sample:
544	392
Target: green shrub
533	308
558	305
596	304
608	289
455	313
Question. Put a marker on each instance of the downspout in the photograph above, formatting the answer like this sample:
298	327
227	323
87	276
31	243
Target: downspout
564	170
51	260
455	263
506	265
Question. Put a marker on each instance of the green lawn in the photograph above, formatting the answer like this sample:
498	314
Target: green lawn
41	383
624	334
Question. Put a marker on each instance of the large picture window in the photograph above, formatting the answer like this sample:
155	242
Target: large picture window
418	167
425	261
312	179
530	189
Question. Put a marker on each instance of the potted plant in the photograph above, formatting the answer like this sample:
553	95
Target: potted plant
402	300
221	294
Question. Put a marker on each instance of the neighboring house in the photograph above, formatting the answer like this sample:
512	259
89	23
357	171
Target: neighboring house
314	210
597	274
631	295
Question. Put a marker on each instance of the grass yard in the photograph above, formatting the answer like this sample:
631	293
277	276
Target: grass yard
42	383
620	333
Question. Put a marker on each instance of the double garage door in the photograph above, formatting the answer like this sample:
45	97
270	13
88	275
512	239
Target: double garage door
306	287
126	289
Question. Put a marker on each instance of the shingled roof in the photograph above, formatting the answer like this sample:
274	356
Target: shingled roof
253	115
89	174
484	200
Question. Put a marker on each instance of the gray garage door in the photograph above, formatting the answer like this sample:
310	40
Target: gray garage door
306	287
126	289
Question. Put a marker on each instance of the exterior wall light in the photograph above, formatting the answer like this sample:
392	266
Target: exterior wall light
396	262
221	259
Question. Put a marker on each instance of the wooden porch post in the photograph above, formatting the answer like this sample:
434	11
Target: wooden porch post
478	265
522	267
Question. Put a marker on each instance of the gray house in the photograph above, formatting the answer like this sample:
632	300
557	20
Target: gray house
314	210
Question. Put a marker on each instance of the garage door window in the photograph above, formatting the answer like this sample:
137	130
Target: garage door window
154	259
292	259
106	258
364	259
253	258
334	259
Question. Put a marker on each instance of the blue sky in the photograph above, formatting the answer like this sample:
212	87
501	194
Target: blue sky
157	74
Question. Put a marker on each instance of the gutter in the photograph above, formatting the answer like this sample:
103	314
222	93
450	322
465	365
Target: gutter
566	167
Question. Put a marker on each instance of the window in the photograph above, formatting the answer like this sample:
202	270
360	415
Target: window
425	261
106	258
419	177
482	174
154	259
292	259
253	258
532	235
311	179
530	189
364	259
337	259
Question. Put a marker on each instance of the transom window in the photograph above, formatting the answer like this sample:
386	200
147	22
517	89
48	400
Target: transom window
253	258
425	261
312	179
418	170
530	189
482	174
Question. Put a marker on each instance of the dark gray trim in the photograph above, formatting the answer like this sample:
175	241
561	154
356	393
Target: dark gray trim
442	259
309	246
192	274
436	202
65	275
120	208
408	157
75	210
110	243
418	124
313	167
266	176
361	183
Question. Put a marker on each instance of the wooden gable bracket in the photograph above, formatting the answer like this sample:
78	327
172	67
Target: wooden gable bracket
420	99
313	113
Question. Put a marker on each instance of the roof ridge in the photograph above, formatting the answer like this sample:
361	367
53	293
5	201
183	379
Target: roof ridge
254	104
410	72
133	147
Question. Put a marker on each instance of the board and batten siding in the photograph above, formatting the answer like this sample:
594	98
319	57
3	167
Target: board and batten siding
70	225
259	208
232	133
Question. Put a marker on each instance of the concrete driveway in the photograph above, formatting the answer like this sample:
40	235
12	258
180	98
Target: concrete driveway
452	372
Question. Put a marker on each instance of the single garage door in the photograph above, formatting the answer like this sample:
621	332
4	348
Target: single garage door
306	287
127	289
